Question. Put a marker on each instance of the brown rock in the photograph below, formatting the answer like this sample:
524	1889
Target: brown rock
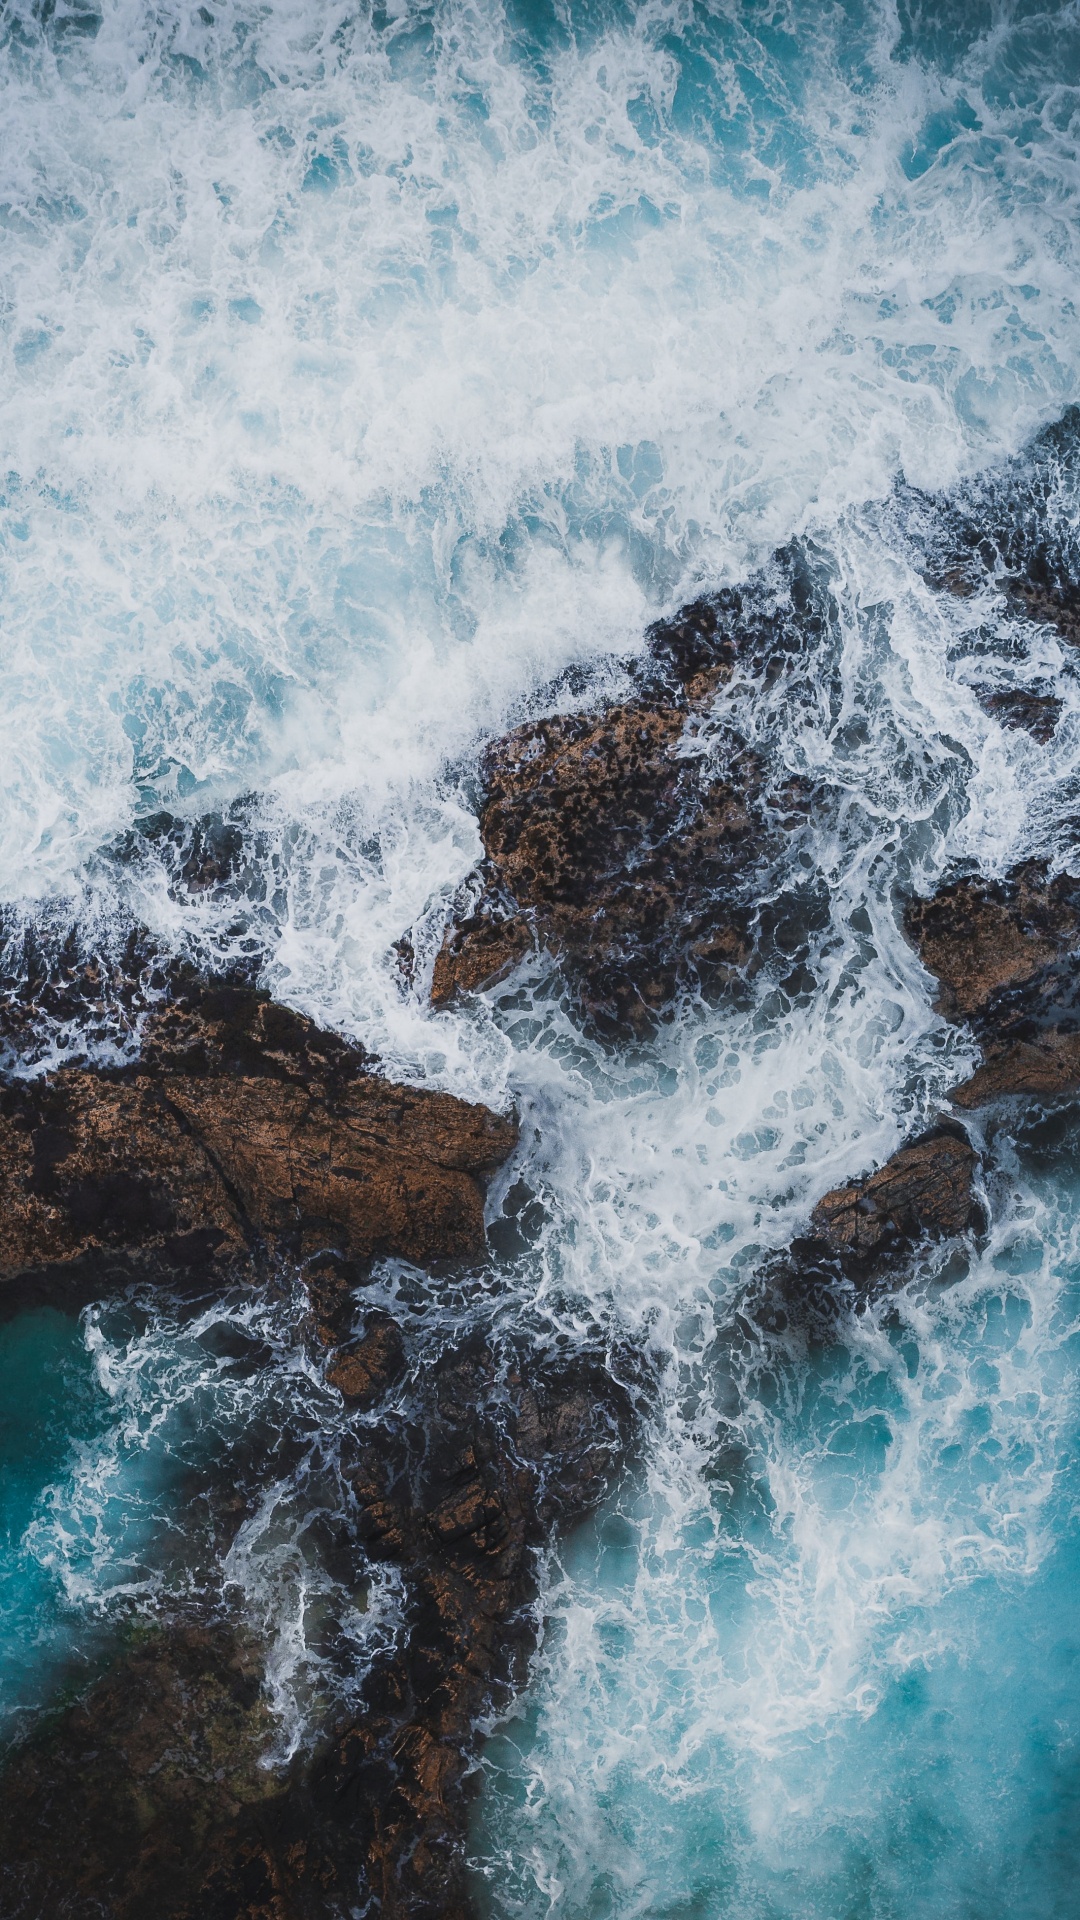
1047	1068
364	1369
1016	708
242	1127
505	1455
925	1188
96	1166
478	952
114	1806
1005	953
147	1796
983	937
624	856
1054	602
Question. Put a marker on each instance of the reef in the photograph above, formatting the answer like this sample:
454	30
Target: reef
1022	710
926	1189
236	1142
148	1795
240	1132
628	842
1003	953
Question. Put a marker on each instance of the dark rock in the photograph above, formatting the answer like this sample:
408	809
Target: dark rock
925	1189
147	1797
1038	595
241	1128
997	946
364	1369
505	1452
1047	1068
1005	955
616	847
1016	708
1013	528
109	1807
480	951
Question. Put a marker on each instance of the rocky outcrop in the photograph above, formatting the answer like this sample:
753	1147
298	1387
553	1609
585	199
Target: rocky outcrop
1004	953
1022	710
162	1751
238	1134
925	1189
864	1237
240	1130
147	1797
364	1369
615	845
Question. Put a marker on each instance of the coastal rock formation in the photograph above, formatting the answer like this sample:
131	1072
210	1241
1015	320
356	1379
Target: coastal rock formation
239	1133
362	1370
240	1129
1023	711
619	848
863	1236
163	1748
925	1189
1004	952
147	1796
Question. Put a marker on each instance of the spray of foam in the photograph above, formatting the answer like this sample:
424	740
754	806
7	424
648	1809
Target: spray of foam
357	376
360	375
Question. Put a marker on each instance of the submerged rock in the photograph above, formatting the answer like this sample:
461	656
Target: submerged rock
613	844
1004	952
240	1129
109	1805
148	1796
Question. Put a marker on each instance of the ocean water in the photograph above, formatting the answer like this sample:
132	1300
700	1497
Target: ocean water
361	371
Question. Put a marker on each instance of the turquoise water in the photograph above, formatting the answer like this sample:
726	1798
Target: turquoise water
47	1398
362	369
839	1677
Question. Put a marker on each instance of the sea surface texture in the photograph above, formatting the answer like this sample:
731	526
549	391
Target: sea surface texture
364	371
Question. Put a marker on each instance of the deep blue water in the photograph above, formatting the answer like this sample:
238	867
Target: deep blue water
361	369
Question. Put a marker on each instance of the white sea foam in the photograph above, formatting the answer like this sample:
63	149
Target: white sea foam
360	373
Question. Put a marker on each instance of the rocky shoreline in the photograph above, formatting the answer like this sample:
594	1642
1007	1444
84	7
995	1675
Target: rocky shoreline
232	1139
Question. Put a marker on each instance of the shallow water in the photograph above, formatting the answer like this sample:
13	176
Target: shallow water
361	371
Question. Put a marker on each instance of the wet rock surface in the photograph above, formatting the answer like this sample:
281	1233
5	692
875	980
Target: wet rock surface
614	842
362	1370
162	1750
1004	952
239	1130
925	1189
147	1796
1013	530
1022	710
234	1135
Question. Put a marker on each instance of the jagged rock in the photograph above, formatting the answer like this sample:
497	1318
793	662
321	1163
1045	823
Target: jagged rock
162	1750
926	1188
1013	528
240	1128
504	1456
609	842
994	944
1004	952
1039	595
364	1369
147	1796
1023	711
1047	1068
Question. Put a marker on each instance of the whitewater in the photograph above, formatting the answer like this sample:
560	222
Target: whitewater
370	379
